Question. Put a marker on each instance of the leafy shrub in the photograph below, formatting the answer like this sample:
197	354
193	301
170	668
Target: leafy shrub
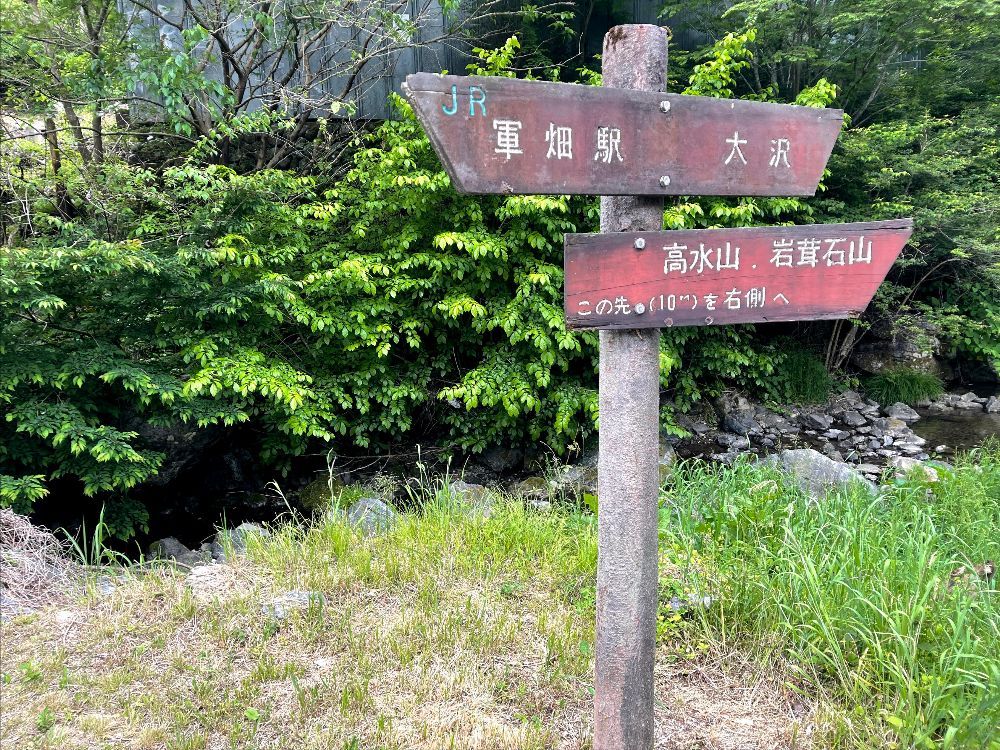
903	384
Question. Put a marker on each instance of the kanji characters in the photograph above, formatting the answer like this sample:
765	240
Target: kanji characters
782	253
560	140
779	152
608	145
508	137
736	142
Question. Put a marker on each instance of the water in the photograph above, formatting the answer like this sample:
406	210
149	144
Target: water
958	429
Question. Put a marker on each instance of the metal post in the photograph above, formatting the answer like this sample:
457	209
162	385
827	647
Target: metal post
635	57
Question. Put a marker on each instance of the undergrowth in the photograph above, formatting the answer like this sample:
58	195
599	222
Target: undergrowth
462	620
903	384
870	598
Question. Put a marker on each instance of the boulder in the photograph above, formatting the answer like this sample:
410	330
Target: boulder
234	541
904	466
472	498
853	418
532	487
816	421
502	460
733	442
817	474
373	515
319	494
892	346
741	423
169	548
899	410
993	405
575	480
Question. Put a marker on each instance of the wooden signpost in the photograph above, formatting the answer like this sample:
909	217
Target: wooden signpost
503	135
633	144
718	276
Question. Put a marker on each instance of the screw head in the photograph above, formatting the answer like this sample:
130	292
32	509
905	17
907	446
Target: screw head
639	308
665	106
640	243
665	181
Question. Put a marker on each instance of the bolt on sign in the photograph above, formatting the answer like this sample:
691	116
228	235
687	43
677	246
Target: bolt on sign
503	135
706	277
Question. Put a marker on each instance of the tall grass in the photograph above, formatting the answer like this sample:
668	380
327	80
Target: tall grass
855	592
903	384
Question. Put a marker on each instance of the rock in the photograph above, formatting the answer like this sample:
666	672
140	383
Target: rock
668	457
733	442
973	405
233	542
891	346
993	405
969	396
576	480
280	607
726	459
319	494
169	548
816	474
853	418
532	487
869	469
502	460
699	427
888	424
816	421
905	466
372	514
538	504
741	423
835	434
473	498
899	410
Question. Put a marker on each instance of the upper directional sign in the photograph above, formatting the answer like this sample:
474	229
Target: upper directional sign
502	135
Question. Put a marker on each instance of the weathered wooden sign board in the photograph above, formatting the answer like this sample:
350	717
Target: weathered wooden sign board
503	135
721	276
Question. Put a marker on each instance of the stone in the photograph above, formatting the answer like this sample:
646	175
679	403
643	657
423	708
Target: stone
817	474
319	494
888	424
899	410
969	405
699	427
891	346
993	405
373	515
538	504
501	459
905	466
668	457
853	418
726	459
741	423
835	434
816	421
869	468
281	607
733	442
532	487
969	396
234	541
169	548
576	480
472	498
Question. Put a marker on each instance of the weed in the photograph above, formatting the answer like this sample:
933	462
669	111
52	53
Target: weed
46	720
903	384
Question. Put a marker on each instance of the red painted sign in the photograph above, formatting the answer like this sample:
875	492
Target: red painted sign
502	135
720	276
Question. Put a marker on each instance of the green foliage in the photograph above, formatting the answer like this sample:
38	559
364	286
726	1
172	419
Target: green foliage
903	384
860	593
799	378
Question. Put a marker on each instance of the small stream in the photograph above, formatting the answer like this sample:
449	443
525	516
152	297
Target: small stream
958	429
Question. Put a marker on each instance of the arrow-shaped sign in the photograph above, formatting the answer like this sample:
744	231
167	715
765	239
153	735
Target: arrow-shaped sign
503	135
716	276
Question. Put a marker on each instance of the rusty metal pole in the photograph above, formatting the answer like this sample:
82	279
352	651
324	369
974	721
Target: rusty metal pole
635	57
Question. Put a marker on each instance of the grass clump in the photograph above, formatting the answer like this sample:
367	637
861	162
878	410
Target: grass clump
799	378
903	384
859	594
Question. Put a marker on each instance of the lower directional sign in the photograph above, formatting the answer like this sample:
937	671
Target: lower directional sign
718	276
